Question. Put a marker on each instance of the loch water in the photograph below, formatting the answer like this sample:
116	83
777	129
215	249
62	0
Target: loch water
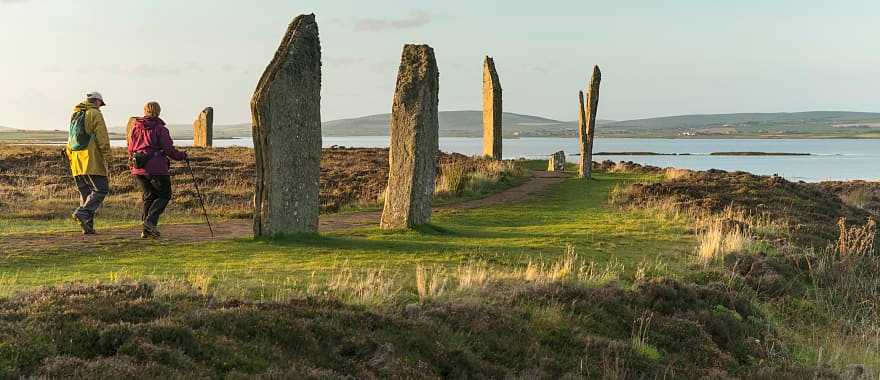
829	159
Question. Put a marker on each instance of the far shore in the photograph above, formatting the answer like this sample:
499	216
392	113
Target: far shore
54	137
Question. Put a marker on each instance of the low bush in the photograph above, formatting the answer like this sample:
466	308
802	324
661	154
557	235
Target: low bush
513	328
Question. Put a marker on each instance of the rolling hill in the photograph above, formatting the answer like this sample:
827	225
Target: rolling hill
453	124
819	124
702	121
781	124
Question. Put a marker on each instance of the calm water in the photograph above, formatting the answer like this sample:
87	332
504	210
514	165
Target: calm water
831	160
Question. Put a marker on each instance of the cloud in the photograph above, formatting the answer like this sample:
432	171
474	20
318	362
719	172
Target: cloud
543	69
414	19
13	1
144	70
344	61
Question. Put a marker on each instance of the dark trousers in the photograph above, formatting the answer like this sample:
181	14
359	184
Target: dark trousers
92	191
156	194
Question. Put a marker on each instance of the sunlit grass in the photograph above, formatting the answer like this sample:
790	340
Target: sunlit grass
574	213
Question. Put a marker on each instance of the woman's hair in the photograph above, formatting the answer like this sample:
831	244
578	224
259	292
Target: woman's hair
152	109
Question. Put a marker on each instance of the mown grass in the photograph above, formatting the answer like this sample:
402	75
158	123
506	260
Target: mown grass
574	213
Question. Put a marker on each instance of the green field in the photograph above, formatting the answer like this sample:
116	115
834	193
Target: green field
575	214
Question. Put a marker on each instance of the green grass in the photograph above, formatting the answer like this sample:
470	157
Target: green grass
574	213
653	324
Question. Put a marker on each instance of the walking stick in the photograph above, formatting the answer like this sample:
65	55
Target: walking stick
199	193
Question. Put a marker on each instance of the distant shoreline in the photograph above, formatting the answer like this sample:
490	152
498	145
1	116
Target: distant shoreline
775	154
54	137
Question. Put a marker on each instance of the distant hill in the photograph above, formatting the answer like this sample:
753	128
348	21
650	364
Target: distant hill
797	124
819	124
759	124
453	123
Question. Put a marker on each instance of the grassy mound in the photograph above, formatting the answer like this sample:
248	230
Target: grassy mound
553	330
805	252
810	212
861	194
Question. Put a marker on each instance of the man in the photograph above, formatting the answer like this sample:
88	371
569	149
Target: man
89	164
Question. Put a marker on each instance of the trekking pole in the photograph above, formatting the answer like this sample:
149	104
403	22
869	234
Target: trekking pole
199	193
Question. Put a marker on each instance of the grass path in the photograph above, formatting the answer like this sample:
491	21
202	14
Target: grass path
507	234
120	235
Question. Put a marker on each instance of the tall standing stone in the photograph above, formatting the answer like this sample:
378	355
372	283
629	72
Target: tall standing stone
203	129
286	110
584	164
592	108
492	110
414	140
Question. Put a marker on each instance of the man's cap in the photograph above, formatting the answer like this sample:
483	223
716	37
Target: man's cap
96	95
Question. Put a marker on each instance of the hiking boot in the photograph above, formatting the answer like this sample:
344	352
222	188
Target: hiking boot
85	224
151	230
145	234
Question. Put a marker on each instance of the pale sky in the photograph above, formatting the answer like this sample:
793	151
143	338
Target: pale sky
659	57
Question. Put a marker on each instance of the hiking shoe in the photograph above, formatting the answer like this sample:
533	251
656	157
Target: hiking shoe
151	230
87	225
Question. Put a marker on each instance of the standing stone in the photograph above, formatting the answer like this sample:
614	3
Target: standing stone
492	110
286	111
592	108
203	128
128	129
556	163
584	165
414	140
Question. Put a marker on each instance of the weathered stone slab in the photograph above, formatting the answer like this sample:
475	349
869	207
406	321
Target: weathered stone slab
583	163
556	163
203	128
414	140
592	109
286	111
492	110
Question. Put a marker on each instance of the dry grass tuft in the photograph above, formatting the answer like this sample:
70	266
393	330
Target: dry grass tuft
473	176
718	240
672	174
859	197
201	281
373	286
474	275
856	242
430	283
639	338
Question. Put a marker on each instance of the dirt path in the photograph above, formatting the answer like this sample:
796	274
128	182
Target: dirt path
243	228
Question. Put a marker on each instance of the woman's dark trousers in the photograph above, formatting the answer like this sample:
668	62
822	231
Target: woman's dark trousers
157	194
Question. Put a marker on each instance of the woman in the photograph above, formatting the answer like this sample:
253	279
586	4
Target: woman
149	150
